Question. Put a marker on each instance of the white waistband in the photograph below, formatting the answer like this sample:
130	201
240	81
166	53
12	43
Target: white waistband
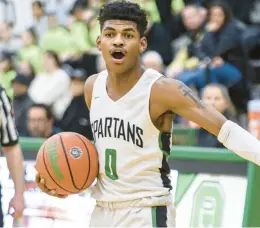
143	202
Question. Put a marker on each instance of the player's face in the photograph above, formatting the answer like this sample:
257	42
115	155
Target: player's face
121	45
214	97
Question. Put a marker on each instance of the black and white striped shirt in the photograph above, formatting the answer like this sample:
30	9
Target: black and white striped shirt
8	131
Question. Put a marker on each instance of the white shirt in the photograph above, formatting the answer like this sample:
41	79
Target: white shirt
53	90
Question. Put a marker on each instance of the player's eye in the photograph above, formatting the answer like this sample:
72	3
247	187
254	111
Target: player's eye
128	36
109	35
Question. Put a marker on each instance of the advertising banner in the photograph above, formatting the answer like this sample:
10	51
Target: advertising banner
206	200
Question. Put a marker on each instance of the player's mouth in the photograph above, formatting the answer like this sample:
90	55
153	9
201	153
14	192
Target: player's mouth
118	56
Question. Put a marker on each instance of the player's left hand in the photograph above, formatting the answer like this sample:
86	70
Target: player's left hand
41	184
17	204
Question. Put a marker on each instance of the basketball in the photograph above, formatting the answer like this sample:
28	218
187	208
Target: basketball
69	161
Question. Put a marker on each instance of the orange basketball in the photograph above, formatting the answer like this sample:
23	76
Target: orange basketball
69	163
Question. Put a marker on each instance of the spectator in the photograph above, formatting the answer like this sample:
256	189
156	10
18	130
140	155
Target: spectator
79	29
21	102
30	52
62	8
217	96
172	22
40	23
14	157
52	86
26	69
58	39
194	18
152	59
218	45
40	122
76	117
150	7
94	28
159	40
7	73
8	42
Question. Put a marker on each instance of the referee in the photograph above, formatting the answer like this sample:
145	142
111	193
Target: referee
13	154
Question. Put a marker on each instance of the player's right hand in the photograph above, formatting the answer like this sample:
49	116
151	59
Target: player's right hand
41	184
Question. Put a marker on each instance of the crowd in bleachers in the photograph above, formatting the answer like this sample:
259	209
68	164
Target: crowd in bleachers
211	46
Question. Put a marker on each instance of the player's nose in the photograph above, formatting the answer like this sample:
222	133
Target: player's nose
118	41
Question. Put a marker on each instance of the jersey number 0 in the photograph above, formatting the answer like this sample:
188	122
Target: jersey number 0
110	164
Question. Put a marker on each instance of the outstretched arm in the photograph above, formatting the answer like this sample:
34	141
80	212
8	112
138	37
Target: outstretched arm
185	103
180	99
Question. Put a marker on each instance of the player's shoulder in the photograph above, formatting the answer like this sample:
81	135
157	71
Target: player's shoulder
91	80
164	84
89	84
166	90
88	89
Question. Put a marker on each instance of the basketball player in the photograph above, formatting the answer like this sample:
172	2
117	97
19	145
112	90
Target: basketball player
131	111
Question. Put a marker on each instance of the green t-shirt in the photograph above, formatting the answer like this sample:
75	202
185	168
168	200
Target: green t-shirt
34	55
177	6
80	36
151	8
6	79
59	40
94	32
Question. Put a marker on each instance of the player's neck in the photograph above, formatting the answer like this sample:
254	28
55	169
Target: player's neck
128	79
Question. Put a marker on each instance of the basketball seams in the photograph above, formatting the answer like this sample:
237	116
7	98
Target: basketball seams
88	160
44	161
77	175
67	161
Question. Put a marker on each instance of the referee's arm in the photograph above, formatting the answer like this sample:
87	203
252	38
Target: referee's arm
10	144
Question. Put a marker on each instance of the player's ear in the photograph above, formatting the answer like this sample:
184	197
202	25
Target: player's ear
142	44
98	42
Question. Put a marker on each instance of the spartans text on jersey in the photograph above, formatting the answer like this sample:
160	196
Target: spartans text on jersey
117	128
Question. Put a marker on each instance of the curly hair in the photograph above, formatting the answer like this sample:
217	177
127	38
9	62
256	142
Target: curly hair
124	10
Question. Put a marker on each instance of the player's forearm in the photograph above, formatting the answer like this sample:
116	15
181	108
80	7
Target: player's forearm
240	141
14	159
